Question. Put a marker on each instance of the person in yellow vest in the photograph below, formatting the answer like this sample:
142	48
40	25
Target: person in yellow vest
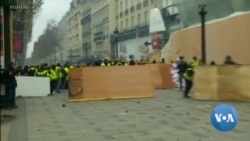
195	62
42	71
58	70
53	77
188	76
105	63
118	62
71	66
65	78
32	71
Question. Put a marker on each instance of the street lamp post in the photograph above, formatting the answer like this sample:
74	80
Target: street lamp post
116	33
203	13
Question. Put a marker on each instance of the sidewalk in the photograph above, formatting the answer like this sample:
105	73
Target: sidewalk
6	124
167	117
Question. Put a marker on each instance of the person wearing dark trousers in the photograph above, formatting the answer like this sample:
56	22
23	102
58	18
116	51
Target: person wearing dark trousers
52	76
58	70
188	76
181	66
10	86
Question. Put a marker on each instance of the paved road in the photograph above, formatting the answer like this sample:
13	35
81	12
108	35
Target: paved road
168	117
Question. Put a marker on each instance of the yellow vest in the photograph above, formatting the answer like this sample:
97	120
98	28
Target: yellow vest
67	72
103	64
189	74
119	64
58	72
195	63
52	75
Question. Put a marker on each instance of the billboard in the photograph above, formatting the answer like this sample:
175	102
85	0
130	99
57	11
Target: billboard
156	29
18	43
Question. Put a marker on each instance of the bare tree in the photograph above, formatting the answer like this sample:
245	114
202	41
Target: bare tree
47	42
35	8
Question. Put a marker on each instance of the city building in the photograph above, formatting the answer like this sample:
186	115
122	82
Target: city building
74	30
86	29
103	19
62	50
91	26
133	25
171	16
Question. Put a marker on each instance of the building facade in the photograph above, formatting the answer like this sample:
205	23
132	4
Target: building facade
133	24
103	24
86	30
74	30
63	49
91	25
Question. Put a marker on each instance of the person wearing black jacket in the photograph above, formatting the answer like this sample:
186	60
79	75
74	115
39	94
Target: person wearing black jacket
10	86
181	66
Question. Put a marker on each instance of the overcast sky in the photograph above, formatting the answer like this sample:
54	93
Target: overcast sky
51	9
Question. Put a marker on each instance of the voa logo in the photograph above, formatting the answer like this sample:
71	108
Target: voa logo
224	117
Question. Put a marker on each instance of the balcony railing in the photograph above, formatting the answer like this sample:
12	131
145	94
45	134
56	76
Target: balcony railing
98	33
132	9
99	38
138	6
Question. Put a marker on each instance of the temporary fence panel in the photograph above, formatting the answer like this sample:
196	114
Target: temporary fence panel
32	86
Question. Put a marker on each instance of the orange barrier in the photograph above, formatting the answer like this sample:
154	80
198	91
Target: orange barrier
167	81
156	76
223	83
100	83
161	76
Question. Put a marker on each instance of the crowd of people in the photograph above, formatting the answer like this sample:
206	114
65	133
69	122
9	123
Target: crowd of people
58	74
183	72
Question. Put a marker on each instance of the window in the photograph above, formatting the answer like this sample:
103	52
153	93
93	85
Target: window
132	21
146	17
126	4
121	27
121	6
139	19
127	24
